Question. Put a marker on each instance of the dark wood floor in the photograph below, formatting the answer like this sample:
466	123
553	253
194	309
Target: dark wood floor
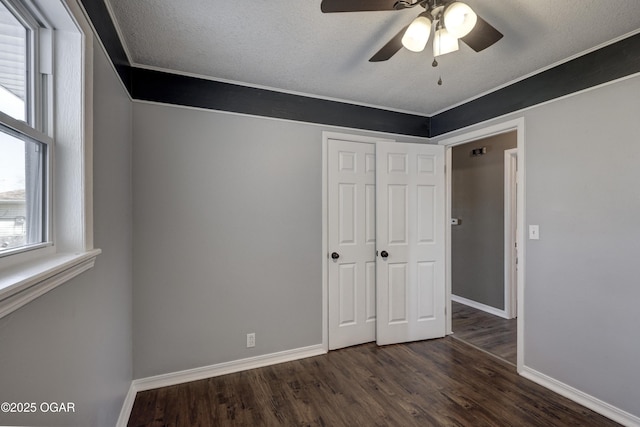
441	382
488	332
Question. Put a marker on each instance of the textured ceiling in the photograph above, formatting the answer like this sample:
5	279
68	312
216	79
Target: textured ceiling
292	46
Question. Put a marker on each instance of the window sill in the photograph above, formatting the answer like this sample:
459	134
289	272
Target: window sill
22	283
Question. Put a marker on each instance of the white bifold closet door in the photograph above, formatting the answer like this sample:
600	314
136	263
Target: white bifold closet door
410	233
352	243
386	242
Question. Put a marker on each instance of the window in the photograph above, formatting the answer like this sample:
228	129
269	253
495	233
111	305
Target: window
24	142
46	185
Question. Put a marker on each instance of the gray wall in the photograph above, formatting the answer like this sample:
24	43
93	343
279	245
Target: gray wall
227	232
74	343
477	243
582	287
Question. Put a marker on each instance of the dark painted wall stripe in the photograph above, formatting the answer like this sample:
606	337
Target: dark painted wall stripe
103	24
171	88
175	89
608	63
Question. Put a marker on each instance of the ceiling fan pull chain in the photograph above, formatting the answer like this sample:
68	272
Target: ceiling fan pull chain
435	64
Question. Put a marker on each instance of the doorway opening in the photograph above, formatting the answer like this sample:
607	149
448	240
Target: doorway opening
485	209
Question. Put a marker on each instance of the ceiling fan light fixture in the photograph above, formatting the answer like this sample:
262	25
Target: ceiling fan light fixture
444	42
417	35
459	19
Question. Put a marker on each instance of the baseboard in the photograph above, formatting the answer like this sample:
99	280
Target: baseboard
127	406
195	374
480	306
588	401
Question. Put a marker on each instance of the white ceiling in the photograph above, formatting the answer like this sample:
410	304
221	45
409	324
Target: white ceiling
292	46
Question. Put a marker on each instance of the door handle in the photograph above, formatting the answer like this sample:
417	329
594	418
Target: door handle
335	255
384	254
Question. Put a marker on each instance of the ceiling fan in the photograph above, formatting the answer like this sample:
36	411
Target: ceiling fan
450	20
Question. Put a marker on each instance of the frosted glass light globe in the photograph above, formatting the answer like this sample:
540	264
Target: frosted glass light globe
459	19
417	35
443	42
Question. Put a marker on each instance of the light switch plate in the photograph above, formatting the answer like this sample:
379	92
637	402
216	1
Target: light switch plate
534	232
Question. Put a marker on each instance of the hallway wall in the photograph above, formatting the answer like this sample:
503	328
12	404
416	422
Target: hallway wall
477	252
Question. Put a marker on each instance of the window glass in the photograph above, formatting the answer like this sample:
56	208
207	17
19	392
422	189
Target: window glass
13	65
21	191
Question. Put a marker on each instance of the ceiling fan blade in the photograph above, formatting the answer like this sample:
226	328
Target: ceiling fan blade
389	49
482	36
330	6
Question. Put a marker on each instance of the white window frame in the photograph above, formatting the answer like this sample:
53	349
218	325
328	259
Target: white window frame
38	104
26	275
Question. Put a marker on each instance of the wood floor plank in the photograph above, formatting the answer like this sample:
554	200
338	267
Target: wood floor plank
441	382
491	333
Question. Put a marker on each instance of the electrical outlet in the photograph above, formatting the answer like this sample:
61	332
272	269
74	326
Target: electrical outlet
251	340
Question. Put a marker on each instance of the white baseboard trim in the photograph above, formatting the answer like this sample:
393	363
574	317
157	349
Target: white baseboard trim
584	399
127	406
216	370
210	371
480	306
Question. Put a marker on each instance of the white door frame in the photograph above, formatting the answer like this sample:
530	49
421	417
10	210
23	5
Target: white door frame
507	126
326	136
510	232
